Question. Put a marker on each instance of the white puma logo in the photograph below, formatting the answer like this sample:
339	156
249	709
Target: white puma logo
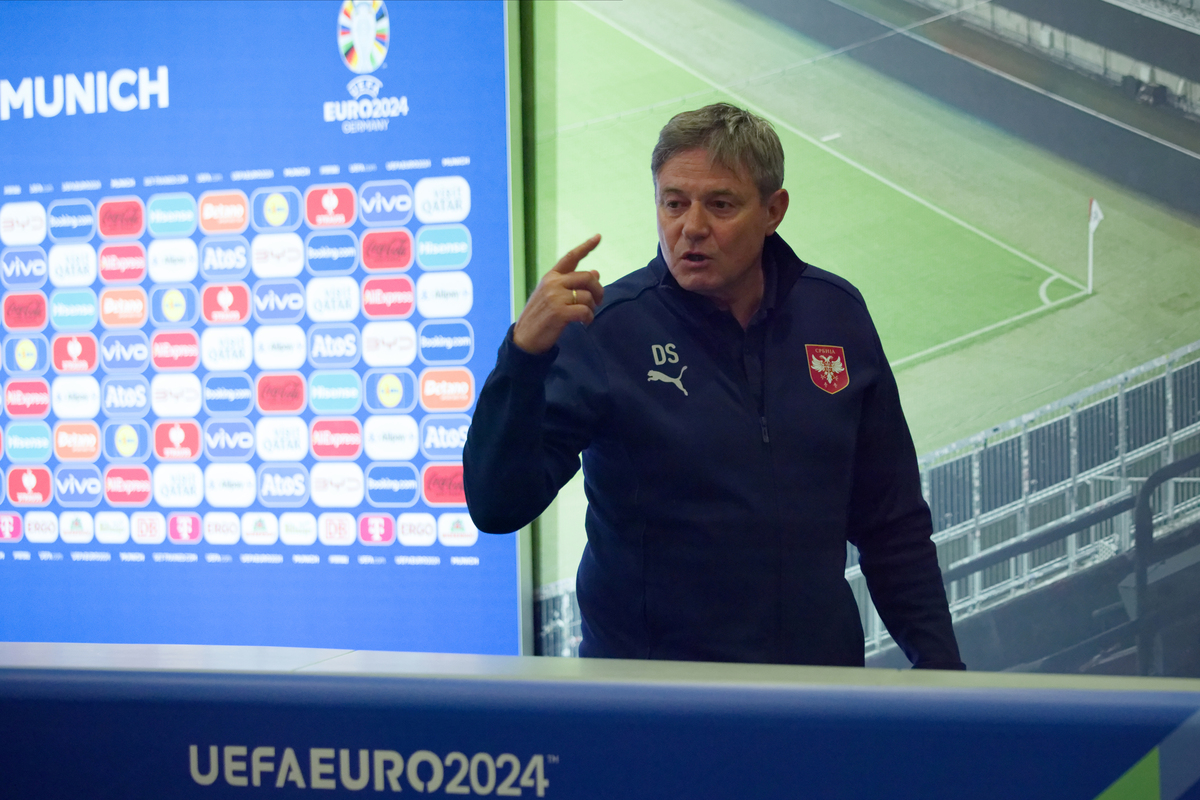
655	375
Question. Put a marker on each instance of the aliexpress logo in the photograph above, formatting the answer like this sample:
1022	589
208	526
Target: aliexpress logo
121	263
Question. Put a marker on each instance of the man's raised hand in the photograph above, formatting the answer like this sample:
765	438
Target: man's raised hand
563	295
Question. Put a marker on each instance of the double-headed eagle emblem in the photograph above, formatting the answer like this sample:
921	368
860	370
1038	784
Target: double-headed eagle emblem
829	367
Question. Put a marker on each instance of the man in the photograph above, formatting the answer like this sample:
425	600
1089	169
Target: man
738	423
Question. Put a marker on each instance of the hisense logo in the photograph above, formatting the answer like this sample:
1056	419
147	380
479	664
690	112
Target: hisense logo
124	90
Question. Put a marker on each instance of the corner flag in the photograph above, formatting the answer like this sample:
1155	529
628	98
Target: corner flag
1094	217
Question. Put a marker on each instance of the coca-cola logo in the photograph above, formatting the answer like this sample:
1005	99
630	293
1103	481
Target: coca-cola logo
442	485
387	250
121	218
26	310
280	393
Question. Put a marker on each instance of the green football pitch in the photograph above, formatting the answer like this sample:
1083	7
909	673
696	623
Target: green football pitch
969	245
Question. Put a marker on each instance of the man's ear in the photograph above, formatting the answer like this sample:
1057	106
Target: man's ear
777	206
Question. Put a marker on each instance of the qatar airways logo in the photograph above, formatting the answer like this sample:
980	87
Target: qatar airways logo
94	93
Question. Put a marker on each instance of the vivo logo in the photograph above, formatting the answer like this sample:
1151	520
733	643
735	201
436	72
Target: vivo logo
23	268
385	202
124	352
78	487
278	301
229	440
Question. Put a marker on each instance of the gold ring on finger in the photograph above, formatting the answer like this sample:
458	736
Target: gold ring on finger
574	296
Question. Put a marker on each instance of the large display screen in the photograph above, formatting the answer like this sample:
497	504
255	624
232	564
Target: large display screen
256	262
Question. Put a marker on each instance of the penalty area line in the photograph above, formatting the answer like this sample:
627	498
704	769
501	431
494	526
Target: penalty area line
826	148
989	328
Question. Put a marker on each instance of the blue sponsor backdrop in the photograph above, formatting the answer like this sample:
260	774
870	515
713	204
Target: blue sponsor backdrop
221	119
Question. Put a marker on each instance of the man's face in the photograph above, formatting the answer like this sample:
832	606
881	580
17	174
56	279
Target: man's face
711	226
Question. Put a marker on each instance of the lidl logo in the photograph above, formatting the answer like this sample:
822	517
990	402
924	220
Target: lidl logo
450	389
388	297
29	486
120	263
177	440
184	528
229	439
225	303
22	223
124	307
173	260
228	394
28	442
126	441
27	398
442	485
337	484
387	250
385	202
72	265
224	212
390	391
276	209
171	215
392	485
23	267
336	438
25	311
71	220
280	394
128	486
278	301
75	353
283	485
333	345
78	487
331	253
443	247
175	350
121	217
74	309
26	355
77	441
376	529
174	306
443	435
124	352
450	342
330	205
225	259
125	397
334	391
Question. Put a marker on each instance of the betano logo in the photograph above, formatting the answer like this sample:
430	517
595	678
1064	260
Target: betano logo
95	94
224	212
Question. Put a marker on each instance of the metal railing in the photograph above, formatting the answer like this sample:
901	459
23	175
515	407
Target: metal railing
1070	462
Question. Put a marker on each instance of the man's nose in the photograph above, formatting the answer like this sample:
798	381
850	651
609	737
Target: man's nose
695	222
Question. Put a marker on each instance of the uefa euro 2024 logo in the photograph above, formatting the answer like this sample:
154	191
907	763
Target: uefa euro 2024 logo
363	34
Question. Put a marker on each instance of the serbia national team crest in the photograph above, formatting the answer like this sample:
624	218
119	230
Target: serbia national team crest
827	367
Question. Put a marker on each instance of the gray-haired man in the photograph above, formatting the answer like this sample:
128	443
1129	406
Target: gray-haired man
738	423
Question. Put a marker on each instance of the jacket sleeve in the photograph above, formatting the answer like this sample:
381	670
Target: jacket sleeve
891	526
535	414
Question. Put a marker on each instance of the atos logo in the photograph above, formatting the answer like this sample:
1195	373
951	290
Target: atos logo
128	486
283	485
175	350
386	203
174	306
121	217
451	342
276	208
126	441
334	391
74	354
388	297
77	441
227	258
25	311
280	393
29	398
74	309
228	394
177	440
78	487
29	486
443	435
392	485
184	529
224	212
125	352
28	442
72	220
23	267
123	308
229	439
26	355
387	250
331	253
336	438
125	397
442	485
278	301
388	391
225	303
376	529
329	205
333	346
122	262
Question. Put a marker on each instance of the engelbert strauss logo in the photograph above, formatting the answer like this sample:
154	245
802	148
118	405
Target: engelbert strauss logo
364	33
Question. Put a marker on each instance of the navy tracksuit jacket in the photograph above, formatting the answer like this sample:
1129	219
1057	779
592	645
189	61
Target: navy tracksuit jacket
724	473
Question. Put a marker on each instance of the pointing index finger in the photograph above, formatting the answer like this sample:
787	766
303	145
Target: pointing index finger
571	260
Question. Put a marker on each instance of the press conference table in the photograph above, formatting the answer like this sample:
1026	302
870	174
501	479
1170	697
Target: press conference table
177	721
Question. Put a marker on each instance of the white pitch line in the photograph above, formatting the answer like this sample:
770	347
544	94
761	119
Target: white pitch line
831	137
817	143
1044	288
960	339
